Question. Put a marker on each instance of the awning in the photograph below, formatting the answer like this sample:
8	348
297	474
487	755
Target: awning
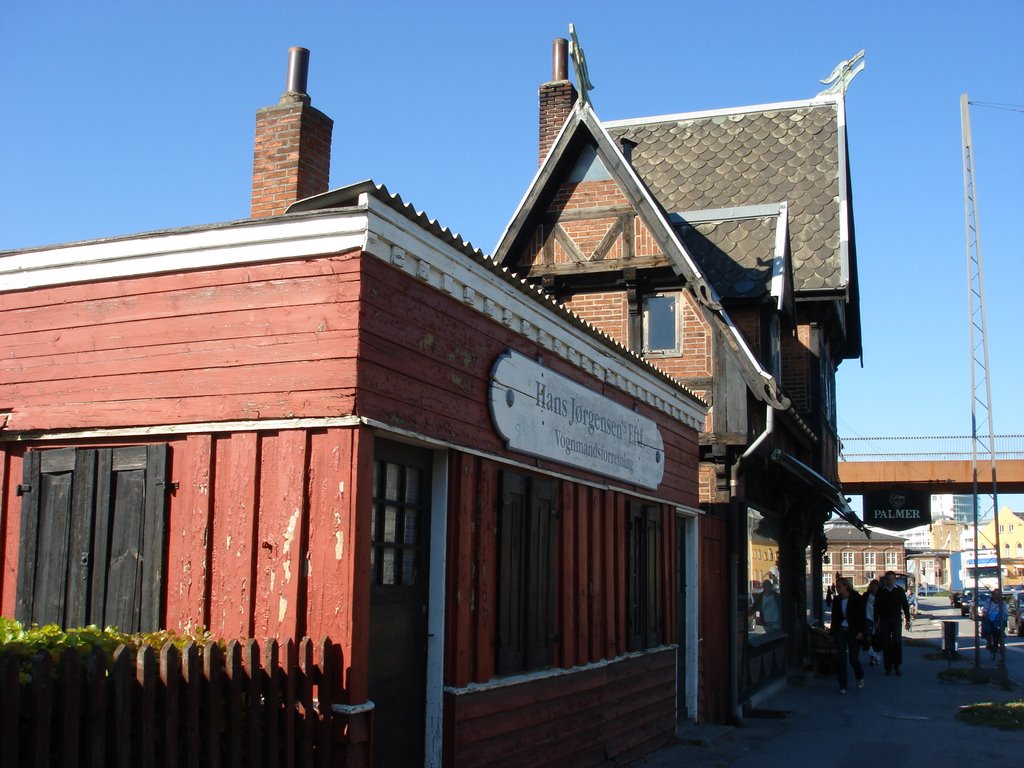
807	475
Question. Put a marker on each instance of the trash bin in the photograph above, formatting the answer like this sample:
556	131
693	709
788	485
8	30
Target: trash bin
950	634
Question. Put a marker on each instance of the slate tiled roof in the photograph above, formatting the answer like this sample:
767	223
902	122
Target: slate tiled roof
736	256
774	154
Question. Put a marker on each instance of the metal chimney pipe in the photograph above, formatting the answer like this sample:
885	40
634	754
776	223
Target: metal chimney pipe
298	70
559	60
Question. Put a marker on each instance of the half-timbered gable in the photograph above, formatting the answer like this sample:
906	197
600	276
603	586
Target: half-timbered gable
719	247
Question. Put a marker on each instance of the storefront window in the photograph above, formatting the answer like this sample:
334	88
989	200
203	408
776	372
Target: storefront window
764	598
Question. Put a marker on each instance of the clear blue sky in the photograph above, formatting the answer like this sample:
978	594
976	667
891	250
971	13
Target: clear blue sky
128	117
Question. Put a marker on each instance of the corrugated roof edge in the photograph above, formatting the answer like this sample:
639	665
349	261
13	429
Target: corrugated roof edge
348	197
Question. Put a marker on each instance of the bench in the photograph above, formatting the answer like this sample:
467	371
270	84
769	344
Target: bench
823	651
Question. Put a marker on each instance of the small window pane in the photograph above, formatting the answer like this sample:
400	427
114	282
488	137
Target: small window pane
390	524
393	478
387	574
412	485
409	566
411	529
661	323
373	523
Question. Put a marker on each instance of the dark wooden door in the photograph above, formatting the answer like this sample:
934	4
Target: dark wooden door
399	602
714	607
681	627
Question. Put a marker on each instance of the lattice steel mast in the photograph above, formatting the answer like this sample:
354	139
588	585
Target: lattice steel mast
982	430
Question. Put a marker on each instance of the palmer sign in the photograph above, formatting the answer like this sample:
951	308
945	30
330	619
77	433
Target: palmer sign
897	510
542	413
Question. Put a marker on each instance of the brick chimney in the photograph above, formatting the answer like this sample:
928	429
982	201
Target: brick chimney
292	155
556	97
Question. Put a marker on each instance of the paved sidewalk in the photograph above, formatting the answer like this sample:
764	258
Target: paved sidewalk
904	721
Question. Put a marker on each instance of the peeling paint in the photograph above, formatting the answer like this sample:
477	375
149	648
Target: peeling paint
228	542
341	487
339	544
282	609
289	536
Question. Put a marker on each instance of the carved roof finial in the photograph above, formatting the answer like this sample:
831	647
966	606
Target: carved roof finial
579	63
841	76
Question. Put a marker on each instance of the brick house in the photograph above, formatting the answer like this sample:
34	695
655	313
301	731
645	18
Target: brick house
720	246
861	558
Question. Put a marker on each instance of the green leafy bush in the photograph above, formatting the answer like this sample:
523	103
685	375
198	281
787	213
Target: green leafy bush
24	643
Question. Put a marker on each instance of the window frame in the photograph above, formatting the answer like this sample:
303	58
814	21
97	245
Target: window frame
677	331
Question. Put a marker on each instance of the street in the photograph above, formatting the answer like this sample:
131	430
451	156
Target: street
934	610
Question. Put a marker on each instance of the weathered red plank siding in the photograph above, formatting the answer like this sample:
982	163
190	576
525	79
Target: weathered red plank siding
220	344
10	529
432	374
234	535
282	535
189	530
611	713
329	605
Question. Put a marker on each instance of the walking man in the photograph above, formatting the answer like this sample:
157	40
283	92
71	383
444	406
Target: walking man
892	613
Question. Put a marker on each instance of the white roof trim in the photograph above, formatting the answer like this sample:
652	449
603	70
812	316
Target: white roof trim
679	116
271	240
778	284
727	214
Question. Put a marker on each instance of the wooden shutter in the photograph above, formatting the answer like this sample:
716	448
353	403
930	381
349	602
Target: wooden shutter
643	539
652	574
92	537
511	548
526	574
540	584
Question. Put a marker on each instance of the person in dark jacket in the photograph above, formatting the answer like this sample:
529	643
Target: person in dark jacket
892	613
848	630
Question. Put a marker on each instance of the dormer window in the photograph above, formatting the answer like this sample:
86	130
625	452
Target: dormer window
661	324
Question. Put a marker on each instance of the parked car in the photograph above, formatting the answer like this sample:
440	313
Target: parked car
967	603
926	590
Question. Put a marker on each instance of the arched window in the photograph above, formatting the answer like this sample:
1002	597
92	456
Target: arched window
1020	549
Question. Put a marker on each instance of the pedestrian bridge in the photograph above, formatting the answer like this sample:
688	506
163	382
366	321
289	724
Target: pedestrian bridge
943	464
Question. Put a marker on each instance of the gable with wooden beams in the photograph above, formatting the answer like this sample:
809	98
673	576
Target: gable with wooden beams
588	221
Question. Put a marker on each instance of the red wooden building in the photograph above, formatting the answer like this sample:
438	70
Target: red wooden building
345	421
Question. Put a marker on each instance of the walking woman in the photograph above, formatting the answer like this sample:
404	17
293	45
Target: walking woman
869	611
848	630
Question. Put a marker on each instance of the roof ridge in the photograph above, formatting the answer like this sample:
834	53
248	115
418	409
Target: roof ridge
680	116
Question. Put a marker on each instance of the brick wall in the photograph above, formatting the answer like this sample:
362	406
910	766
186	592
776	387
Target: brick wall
291	156
796	367
556	101
605	311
